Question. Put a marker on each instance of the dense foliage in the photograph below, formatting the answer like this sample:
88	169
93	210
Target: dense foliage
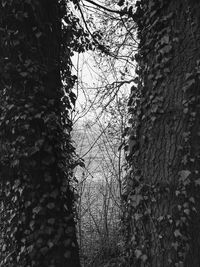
36	158
162	184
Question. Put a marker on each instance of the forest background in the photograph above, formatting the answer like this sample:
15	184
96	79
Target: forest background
100	120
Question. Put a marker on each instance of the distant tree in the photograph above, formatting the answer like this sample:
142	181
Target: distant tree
110	61
99	203
162	184
37	216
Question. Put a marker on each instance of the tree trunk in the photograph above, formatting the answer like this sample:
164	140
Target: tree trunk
163	203
36	155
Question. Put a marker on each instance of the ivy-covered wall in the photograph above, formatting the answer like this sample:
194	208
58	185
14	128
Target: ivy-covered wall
162	184
36	153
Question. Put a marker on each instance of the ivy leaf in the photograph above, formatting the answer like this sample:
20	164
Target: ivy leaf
27	204
51	205
191	199
44	250
166	49
72	97
187	211
24	74
136	199
16	42
29	248
4	3
184	175
51	221
50	244
188	75
138	253
121	2
37	209
38	34
4	248
177	233
137	216
165	39
67	254
54	194
132	144
15	163
189	84
31	224
175	245
144	258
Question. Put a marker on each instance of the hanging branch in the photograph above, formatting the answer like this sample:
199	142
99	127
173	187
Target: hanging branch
105	8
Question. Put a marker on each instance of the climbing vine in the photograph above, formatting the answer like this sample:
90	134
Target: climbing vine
162	199
37	154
